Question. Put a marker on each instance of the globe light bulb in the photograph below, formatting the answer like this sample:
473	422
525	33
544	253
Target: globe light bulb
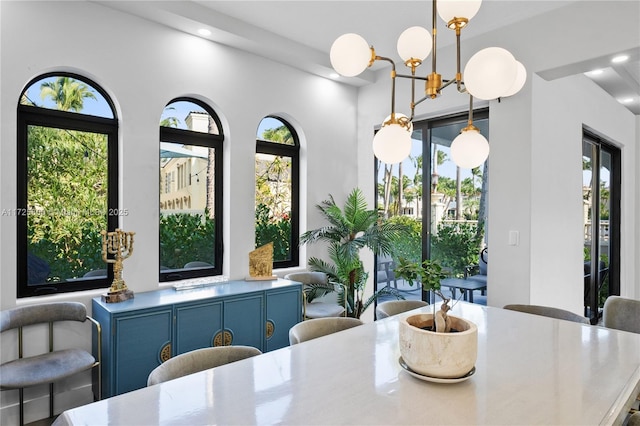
490	73
469	149
414	43
521	78
350	55
449	9
392	144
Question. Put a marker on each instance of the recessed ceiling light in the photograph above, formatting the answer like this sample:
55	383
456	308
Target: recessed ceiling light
625	100
204	32
595	72
619	59
334	75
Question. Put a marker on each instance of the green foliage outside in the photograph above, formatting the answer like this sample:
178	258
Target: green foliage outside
456	246
410	246
185	238
276	230
67	199
273	196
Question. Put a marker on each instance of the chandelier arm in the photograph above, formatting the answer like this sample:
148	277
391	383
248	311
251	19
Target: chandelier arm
412	77
393	86
434	31
470	125
458	73
413	92
421	100
447	83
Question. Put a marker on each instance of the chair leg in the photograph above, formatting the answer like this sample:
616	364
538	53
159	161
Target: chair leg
50	400
21	397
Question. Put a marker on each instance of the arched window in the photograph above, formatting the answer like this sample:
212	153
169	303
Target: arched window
191	141
277	183
67	184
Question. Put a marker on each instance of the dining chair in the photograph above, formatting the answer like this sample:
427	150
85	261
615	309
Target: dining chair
96	273
394	307
199	360
319	327
634	419
318	282
621	313
548	311
385	273
52	365
197	264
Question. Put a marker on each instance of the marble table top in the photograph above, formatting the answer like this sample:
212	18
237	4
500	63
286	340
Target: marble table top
530	370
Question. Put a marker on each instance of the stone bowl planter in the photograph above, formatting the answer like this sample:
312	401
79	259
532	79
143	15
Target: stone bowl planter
439	355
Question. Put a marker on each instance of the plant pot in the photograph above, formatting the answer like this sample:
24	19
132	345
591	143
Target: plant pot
440	355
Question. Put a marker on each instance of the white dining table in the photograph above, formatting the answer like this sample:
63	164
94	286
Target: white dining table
530	370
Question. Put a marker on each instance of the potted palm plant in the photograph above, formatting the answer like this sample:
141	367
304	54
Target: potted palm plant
437	345
349	230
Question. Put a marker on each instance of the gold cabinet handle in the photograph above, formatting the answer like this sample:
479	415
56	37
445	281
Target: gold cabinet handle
165	352
270	328
223	338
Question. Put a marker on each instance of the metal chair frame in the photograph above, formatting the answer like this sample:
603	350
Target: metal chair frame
48	313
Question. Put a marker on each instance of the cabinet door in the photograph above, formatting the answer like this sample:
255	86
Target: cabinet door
244	320
197	326
284	310
142	341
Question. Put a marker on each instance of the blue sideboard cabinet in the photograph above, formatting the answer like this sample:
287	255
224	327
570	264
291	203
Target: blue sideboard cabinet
141	333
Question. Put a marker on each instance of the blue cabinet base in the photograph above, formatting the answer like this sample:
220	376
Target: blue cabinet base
141	333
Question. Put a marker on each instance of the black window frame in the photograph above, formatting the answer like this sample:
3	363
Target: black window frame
292	152
207	140
30	115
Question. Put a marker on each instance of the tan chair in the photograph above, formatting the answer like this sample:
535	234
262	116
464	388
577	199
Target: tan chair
622	314
319	327
315	308
51	366
395	307
547	311
634	419
199	360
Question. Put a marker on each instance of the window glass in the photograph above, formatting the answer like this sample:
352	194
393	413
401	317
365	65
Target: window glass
277	184
66	93
445	206
67	151
190	191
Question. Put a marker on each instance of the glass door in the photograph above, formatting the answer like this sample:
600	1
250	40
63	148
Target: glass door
446	206
457	205
601	206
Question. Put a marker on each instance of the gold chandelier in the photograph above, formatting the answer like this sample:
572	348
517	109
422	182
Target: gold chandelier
489	74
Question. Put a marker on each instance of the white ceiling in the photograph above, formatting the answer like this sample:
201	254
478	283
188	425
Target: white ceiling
300	32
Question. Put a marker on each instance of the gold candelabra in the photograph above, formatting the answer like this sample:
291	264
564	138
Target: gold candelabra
116	247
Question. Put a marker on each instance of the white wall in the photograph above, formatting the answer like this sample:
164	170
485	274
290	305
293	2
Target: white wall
143	66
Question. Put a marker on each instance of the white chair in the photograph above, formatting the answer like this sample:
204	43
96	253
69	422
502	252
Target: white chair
622	314
51	366
318	308
395	307
548	311
319	327
199	360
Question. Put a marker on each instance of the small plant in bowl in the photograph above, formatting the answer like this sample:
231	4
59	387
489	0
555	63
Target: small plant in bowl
429	273
435	345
